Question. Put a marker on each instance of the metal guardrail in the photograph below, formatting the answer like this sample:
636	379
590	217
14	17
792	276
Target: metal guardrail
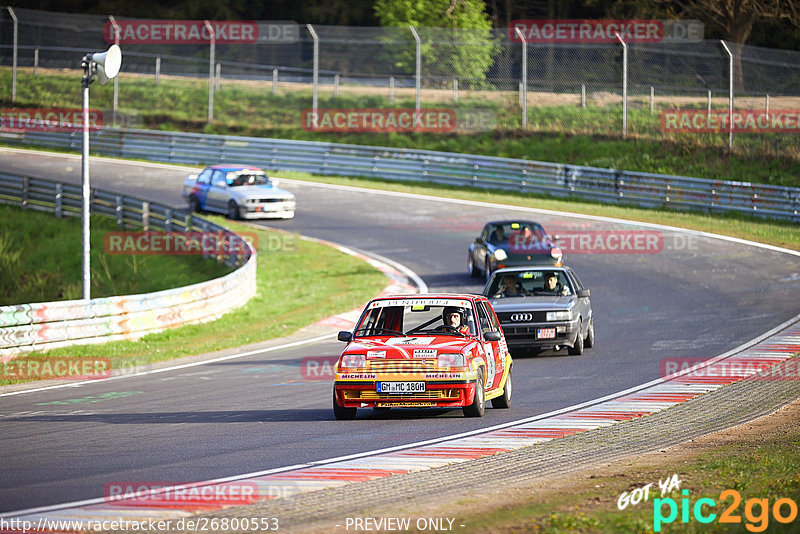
559	180
54	324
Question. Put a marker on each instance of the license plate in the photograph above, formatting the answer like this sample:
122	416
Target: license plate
401	387
545	333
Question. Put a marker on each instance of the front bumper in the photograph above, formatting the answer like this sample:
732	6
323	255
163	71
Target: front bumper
524	335
263	210
360	391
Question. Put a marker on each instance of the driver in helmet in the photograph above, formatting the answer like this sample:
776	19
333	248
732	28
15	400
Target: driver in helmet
454	318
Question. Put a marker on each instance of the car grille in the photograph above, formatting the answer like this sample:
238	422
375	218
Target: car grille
535	317
401	366
272	200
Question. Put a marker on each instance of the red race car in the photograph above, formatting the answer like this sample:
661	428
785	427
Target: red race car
423	351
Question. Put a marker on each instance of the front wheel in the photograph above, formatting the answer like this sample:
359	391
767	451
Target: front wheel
473	271
342	413
478	406
233	210
577	348
590	336
194	204
504	401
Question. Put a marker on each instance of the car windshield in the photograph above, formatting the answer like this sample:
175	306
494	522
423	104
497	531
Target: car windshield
237	178
500	234
534	282
412	317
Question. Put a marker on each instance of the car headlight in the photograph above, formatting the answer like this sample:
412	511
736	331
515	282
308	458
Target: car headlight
500	254
450	360
353	360
558	316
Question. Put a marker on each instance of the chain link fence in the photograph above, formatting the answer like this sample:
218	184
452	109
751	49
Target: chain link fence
486	80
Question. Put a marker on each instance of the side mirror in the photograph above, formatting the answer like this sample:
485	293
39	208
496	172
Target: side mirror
583	293
494	335
192	177
554	238
345	336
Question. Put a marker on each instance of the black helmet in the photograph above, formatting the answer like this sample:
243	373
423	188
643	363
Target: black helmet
453	309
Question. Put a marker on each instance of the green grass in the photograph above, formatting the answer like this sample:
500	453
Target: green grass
758	467
40	261
299	282
556	133
778	233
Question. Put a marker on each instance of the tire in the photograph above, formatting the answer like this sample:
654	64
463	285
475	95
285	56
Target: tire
473	271
342	413
194	205
478	406
589	343
233	210
487	270
577	349
504	401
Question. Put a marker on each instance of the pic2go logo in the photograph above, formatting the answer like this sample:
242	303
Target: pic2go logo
756	511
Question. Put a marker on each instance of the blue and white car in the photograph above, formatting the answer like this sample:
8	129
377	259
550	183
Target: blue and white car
239	192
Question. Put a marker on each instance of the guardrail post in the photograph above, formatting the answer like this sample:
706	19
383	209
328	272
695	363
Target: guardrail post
118	210
168	220
187	222
145	215
24	201
618	183
59	200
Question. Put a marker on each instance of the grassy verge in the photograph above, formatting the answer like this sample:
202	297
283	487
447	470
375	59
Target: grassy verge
40	261
559	132
782	234
761	465
299	282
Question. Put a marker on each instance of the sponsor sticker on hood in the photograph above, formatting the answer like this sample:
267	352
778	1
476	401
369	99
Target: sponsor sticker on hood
376	354
410	340
424	353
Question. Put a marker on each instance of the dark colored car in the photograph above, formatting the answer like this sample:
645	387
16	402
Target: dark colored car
510	244
536	315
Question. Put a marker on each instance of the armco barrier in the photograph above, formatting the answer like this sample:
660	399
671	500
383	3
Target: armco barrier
53	324
573	181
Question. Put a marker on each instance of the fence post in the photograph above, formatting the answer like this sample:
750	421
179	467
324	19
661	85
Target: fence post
766	105
219	75
709	102
455	90
652	98
391	89
274	82
335	86
524	83
624	85
115	105
583	95
213	42
14	54
730	94
418	69
35	61
316	73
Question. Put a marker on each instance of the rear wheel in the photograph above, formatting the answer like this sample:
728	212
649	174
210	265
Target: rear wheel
341	412
478	406
577	348
471	268
233	210
504	401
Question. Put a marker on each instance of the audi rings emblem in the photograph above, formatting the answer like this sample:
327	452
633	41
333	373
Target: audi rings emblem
519	317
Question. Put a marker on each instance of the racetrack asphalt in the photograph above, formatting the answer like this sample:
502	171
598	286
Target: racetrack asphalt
699	297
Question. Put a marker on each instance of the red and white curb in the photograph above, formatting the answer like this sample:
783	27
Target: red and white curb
776	346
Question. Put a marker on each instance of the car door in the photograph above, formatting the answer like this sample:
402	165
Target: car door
217	199
493	350
583	304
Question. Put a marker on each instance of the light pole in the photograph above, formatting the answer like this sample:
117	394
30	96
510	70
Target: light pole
104	66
